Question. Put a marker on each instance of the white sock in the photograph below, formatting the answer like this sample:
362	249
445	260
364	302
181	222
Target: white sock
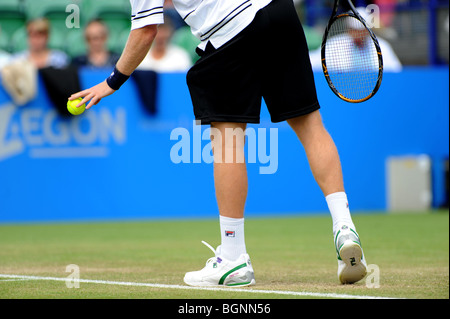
233	239
340	213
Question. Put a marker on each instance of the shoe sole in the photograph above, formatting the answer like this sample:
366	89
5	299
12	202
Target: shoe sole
209	284
354	269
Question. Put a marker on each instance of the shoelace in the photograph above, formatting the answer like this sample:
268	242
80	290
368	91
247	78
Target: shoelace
212	259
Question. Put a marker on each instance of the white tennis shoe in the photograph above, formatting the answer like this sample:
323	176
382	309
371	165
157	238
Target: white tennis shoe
221	272
352	266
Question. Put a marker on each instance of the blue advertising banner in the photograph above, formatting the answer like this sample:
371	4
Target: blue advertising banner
116	161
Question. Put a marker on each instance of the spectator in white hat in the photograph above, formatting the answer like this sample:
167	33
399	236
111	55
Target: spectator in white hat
390	60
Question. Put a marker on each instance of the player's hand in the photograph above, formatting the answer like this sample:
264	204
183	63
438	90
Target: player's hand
94	94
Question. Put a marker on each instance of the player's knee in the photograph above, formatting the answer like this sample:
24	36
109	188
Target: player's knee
228	142
306	121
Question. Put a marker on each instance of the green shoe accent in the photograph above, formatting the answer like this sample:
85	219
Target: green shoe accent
359	240
335	243
338	249
221	281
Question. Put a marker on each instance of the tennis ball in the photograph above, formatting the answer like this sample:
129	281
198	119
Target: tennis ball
73	109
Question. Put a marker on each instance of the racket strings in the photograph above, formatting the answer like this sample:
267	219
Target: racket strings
351	58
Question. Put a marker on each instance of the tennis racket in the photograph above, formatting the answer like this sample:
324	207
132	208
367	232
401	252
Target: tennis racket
352	61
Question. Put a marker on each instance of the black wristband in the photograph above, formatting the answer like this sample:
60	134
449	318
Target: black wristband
116	79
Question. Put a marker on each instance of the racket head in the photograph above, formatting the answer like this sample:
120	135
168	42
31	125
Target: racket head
352	74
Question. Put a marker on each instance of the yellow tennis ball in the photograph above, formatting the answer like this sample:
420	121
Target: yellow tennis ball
73	109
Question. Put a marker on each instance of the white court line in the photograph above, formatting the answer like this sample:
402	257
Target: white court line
163	286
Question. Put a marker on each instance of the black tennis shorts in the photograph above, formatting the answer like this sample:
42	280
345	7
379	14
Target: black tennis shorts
269	59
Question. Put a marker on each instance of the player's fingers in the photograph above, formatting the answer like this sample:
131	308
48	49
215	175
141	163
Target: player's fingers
78	95
93	102
86	99
89	105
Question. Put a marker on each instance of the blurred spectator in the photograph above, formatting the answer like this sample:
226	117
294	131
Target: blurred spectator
4	56
390	60
387	11
164	56
38	52
184	39
387	16
172	13
98	56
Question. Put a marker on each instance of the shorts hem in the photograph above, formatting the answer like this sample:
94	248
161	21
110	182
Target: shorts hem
291	115
227	119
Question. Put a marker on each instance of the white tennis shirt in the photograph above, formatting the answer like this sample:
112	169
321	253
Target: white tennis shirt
216	21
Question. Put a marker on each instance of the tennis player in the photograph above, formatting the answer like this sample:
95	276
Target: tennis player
250	49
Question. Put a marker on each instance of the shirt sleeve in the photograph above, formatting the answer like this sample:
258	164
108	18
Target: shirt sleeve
146	12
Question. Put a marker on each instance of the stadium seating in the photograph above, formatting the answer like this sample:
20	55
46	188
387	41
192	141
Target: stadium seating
76	36
117	43
15	13
4	42
48	8
12	18
115	13
18	40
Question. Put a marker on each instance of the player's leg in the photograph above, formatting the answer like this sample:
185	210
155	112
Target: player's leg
216	85
290	94
325	165
321	152
230	172
231	264
230	181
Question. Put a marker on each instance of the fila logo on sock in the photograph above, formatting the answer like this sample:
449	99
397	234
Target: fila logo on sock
229	233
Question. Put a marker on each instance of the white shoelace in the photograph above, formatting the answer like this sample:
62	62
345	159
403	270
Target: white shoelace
213	250
209	246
